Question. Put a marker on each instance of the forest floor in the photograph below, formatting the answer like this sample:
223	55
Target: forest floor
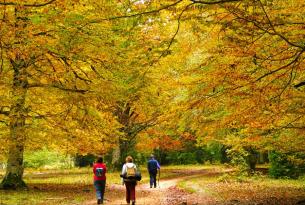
179	185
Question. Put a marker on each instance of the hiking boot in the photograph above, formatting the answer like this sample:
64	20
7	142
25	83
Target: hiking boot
133	203
99	201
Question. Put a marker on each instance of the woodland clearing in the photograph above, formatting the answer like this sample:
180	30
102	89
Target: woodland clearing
211	185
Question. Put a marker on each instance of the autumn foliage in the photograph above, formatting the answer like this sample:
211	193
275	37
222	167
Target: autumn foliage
116	76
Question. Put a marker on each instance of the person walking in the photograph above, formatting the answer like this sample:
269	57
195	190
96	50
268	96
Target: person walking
129	170
99	171
153	166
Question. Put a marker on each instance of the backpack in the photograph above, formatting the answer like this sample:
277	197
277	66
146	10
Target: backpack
130	172
99	171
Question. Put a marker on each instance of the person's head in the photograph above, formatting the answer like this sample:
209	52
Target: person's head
99	159
152	156
129	159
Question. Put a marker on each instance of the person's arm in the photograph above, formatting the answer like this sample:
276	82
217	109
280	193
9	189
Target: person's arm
105	168
93	169
158	165
123	172
124	169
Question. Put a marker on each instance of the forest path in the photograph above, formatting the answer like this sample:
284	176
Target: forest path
166	193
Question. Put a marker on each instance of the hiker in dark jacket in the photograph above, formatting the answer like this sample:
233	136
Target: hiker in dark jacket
153	167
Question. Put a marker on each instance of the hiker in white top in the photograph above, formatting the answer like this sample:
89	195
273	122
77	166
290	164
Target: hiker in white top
128	171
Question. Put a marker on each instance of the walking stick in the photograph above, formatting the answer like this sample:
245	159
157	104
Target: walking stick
159	178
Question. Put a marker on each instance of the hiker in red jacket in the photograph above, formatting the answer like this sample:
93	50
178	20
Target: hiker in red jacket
99	171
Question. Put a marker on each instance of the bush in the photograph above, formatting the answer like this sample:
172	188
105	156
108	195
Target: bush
182	158
281	166
84	160
45	158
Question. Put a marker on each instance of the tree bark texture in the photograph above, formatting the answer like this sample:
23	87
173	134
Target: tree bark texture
14	170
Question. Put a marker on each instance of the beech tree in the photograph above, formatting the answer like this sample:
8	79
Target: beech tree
53	68
237	68
247	74
85	76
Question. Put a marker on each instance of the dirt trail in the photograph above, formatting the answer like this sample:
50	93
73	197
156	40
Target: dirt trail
166	193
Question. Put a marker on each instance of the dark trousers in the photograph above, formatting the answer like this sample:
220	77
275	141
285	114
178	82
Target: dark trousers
100	189
130	191
153	178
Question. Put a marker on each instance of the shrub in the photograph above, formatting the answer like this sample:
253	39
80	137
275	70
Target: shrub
45	158
285	165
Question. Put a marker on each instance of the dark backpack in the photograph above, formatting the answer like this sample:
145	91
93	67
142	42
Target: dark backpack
99	171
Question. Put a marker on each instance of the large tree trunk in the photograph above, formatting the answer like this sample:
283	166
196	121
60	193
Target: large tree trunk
119	153
131	128
116	158
14	171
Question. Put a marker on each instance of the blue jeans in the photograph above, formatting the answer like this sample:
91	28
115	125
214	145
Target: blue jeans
100	189
153	178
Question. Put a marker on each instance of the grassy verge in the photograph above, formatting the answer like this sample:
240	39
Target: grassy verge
247	190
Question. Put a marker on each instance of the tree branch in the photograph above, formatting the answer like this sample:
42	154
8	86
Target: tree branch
213	2
27	5
40	85
273	33
4	122
299	84
137	14
282	67
175	34
5	110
